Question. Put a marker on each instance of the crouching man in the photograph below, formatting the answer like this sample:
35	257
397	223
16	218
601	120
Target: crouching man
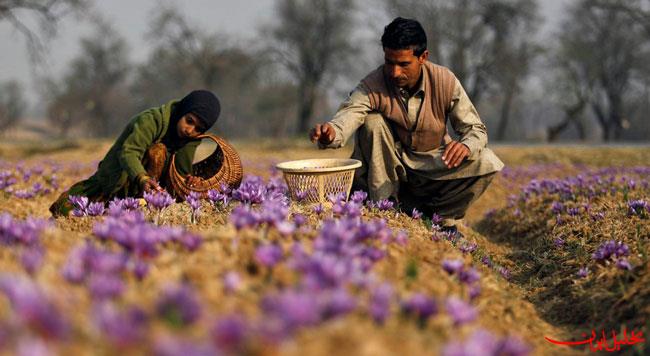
399	114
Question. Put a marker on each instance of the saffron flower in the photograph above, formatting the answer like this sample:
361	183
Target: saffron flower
230	333
610	249
80	205
95	209
385	204
638	207
416	214
359	196
121	327
232	282
421	306
452	266
194	201
157	202
380	300
179	305
624	264
460	311
583	272
268	255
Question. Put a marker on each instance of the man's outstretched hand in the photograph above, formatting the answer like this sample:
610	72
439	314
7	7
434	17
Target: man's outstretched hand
323	133
455	153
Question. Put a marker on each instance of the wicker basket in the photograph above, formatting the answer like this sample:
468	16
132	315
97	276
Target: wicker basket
222	166
318	178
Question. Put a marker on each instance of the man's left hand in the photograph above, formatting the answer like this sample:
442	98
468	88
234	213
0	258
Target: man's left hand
455	153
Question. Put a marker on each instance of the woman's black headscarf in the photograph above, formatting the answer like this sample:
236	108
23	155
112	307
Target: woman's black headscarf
202	103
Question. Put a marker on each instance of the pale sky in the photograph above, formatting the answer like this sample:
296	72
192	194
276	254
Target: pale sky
238	18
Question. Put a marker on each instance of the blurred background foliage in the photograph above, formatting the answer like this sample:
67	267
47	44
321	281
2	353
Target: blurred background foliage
589	80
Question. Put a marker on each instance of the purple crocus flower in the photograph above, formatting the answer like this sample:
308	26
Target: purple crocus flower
158	200
638	207
299	220
292	309
420	306
32	307
242	216
175	346
302	195
337	303
486	260
318	209
436	219
105	286
459	311
80	205
468	247
557	208
95	209
583	272
558	242
229	333
452	266
121	327
32	258
179	305
232	282
469	276
513	346
623	264
380	300
194	201
385	204
480	342
268	255
359	196
416	214
251	191
610	249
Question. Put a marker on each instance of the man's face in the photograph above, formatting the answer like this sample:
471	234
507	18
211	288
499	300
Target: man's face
189	126
403	67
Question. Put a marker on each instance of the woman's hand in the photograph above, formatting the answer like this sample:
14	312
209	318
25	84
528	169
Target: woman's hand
193	181
150	185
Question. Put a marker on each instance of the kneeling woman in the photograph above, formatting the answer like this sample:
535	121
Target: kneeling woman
138	161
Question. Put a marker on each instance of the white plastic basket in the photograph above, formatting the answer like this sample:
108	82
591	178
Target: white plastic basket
315	179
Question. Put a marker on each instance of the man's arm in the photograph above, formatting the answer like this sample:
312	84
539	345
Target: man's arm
466	123
349	117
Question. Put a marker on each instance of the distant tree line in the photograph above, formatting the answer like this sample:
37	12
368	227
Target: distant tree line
589	76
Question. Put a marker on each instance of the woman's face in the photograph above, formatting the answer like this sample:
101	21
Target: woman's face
189	126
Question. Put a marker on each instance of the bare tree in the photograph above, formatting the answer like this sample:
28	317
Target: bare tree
12	104
95	86
637	11
608	53
49	12
513	50
311	39
186	58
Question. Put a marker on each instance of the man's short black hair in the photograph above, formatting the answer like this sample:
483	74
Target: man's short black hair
404	33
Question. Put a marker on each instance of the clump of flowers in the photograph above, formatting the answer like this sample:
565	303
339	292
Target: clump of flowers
611	249
638	207
194	201
157	202
420	306
179	305
460	311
